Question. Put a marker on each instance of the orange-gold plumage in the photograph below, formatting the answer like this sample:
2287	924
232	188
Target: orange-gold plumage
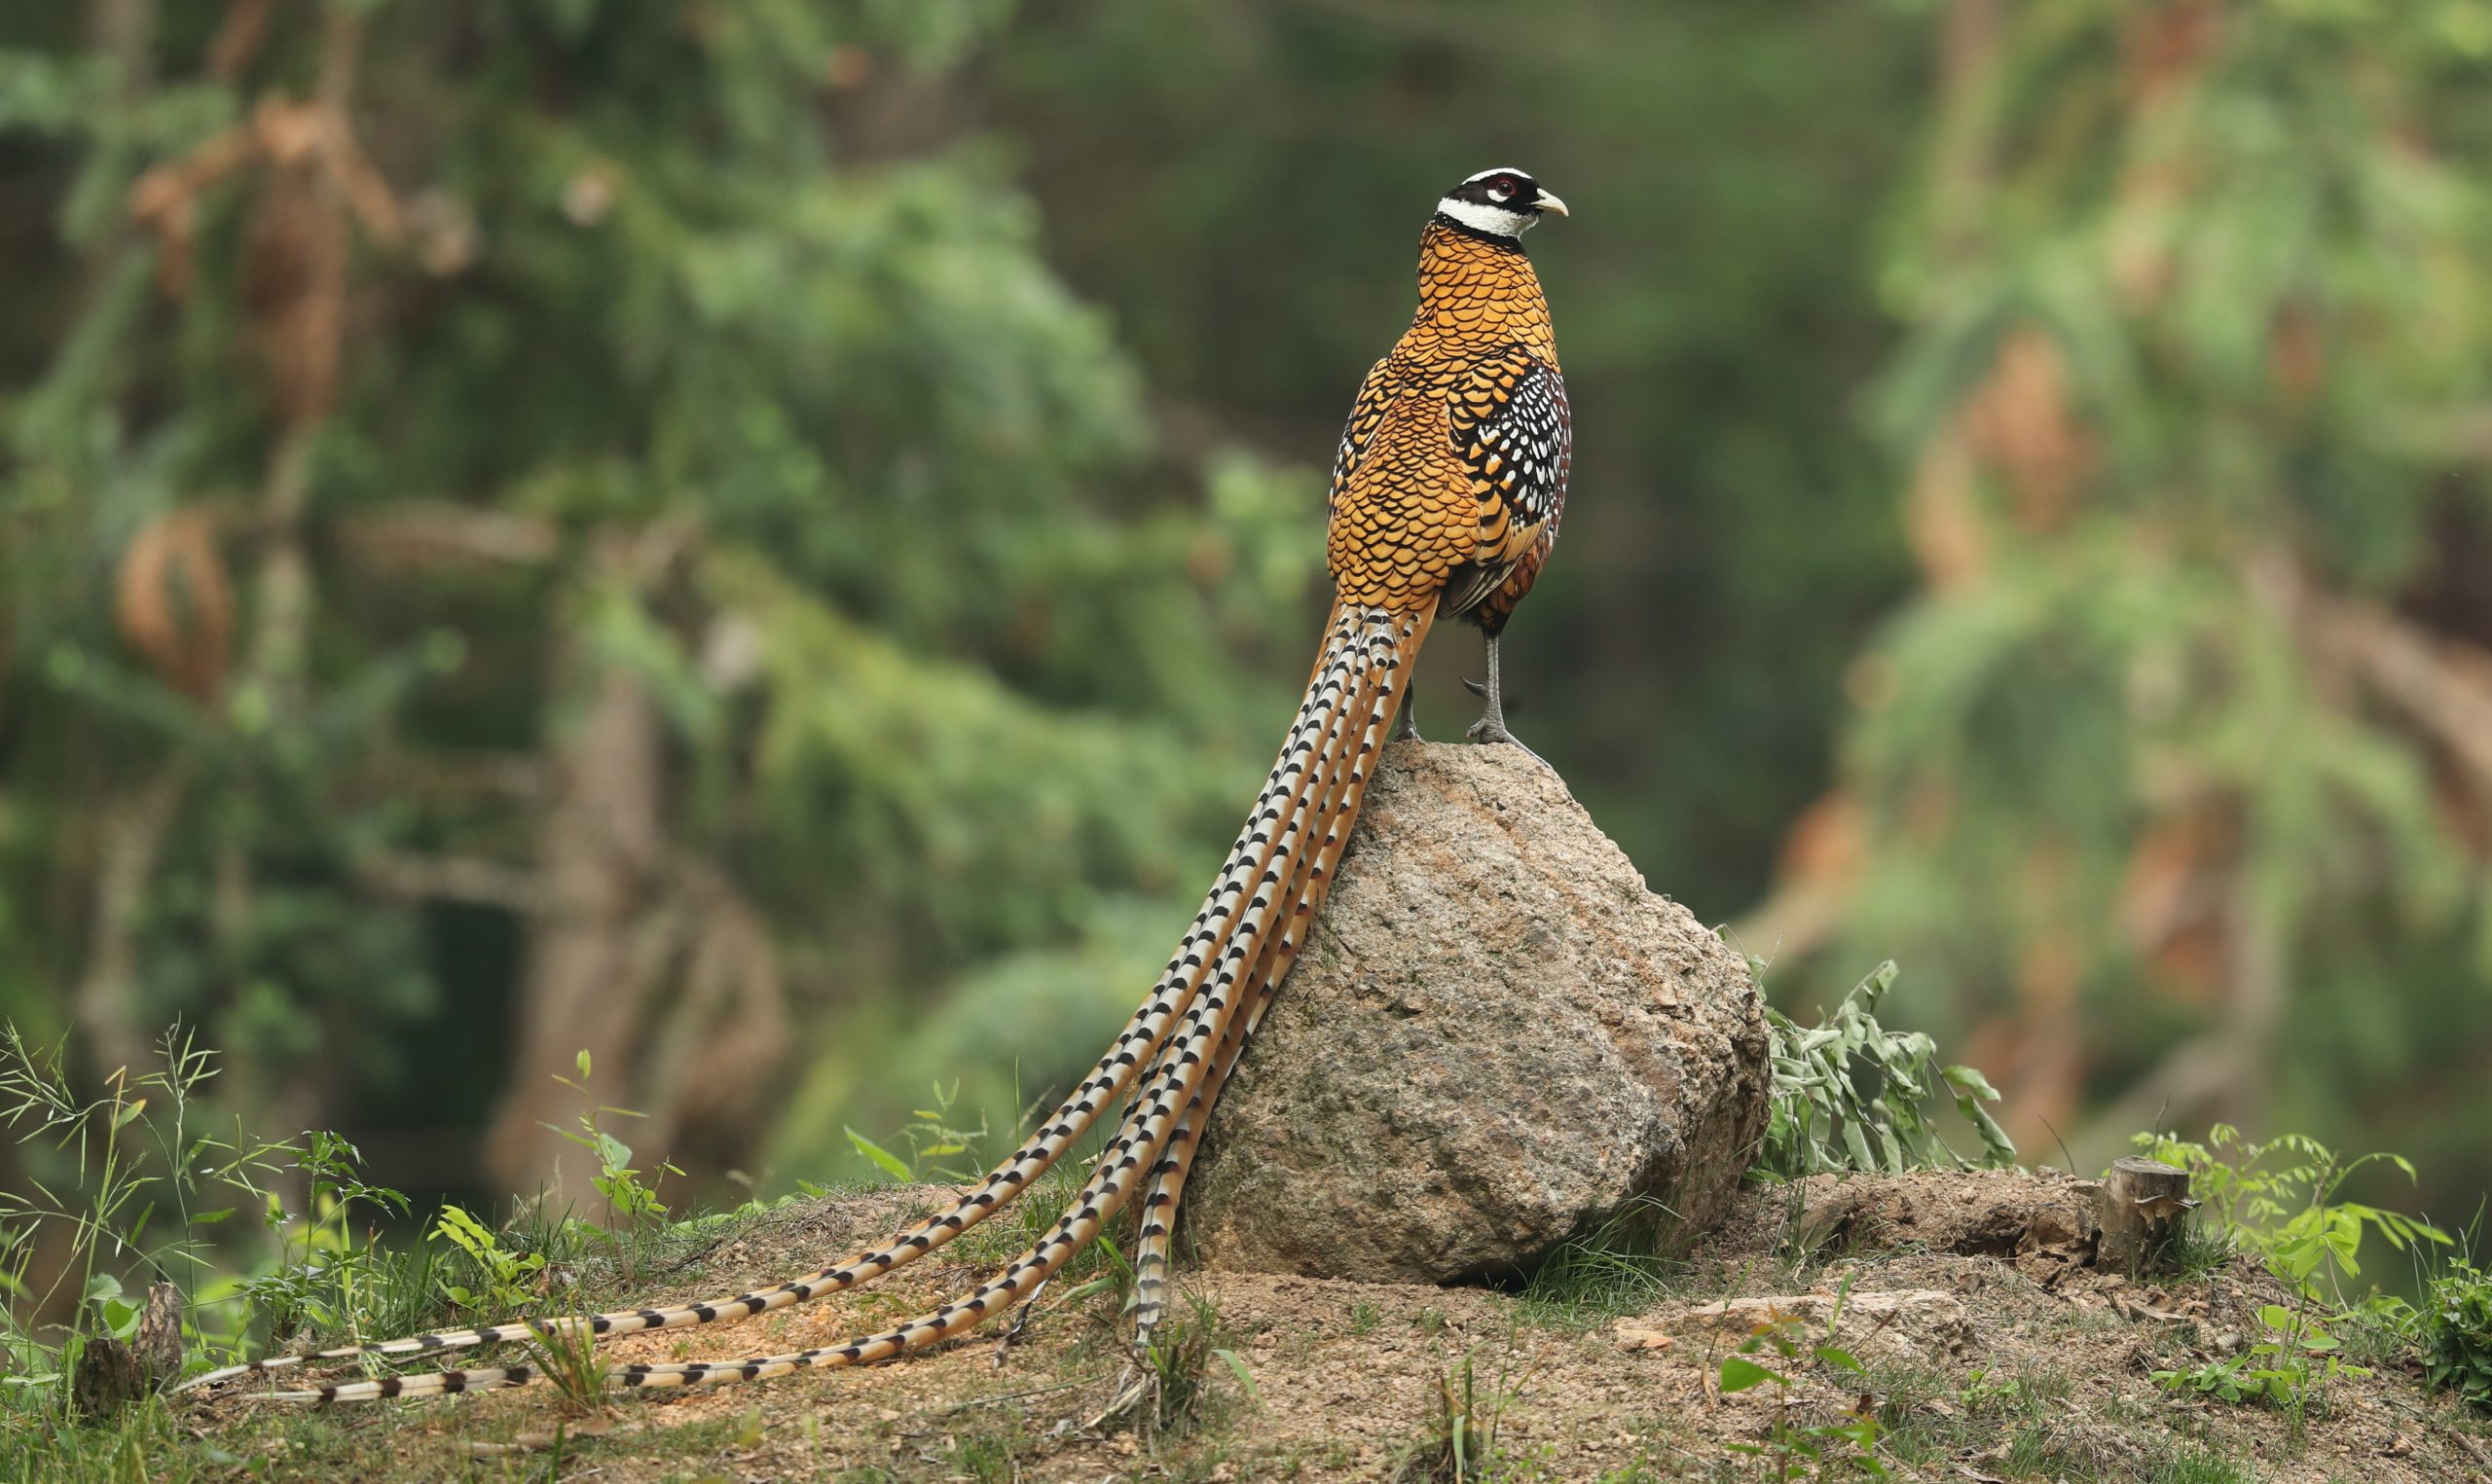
1481	349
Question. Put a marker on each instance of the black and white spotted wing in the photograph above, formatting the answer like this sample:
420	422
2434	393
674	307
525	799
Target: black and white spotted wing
1519	452
1525	447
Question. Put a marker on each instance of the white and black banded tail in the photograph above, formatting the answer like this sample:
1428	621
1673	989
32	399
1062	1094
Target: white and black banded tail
1250	923
1154	1247
1111	1078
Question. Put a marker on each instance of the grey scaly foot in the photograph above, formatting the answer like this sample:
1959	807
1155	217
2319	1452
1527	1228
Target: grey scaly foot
1406	723
1492	725
1491	729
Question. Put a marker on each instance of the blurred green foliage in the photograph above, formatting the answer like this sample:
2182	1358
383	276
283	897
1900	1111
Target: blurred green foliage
2179	755
633	378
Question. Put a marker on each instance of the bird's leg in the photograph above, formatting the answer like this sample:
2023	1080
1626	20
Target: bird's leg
1492	725
1406	724
1020	1321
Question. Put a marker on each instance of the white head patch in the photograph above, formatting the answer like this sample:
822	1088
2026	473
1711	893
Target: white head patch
1491	216
1495	221
1503	169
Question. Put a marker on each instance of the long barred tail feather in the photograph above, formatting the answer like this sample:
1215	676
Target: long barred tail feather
1143	1036
1154	1248
1154	1251
1323	765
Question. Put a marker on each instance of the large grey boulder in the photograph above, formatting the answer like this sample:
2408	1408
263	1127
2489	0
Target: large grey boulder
1497	1038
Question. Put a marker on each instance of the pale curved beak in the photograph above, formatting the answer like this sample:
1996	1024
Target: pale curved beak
1549	203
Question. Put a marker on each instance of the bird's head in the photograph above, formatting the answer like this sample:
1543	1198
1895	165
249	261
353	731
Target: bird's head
1503	204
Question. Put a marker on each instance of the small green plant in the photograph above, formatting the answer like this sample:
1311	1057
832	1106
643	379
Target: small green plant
1849	1094
1981	1392
1178	1363
502	1279
633	1209
631	1202
1460	1442
1774	1353
935	1145
2455	1328
2197	1465
2279	1199
573	1365
2285	1370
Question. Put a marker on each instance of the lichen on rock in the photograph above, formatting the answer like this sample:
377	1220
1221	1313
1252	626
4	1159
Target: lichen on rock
1497	1038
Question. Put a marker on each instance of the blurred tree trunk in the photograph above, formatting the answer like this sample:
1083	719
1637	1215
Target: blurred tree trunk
589	973
643	954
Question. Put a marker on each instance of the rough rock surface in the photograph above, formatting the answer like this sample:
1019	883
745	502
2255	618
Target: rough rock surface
1497	1038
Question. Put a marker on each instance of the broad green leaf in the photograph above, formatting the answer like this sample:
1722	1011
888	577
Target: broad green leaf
1740	1374
891	1163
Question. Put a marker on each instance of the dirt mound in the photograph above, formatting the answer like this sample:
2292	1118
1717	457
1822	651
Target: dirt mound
1974	1369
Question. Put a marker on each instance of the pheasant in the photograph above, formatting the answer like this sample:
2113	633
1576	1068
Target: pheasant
1444	499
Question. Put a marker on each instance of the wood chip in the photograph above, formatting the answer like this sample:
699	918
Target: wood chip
2131	1308
541	1442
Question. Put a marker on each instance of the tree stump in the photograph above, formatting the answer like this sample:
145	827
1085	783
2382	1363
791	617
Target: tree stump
112	1373
2143	1208
158	1343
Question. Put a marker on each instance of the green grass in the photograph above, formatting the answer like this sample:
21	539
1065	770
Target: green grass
2028	1425
1633	1261
1188	1355
993	1456
155	1440
2201	1249
1028	1220
2195	1465
1459	1442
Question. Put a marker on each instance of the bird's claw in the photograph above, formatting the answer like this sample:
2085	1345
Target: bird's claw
1487	732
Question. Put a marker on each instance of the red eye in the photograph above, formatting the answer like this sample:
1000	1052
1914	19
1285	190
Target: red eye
1506	184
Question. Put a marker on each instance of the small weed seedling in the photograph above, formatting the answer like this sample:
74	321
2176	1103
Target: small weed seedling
935	1145
501	1277
632	1204
1461	1441
1792	1450
2285	1370
1179	1362
573	1365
